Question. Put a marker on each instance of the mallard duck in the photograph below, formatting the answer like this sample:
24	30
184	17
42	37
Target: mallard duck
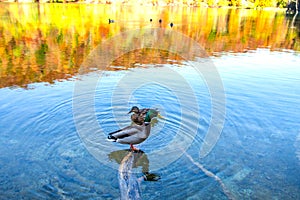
141	115
133	134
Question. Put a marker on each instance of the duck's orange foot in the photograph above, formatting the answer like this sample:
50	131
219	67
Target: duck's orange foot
133	148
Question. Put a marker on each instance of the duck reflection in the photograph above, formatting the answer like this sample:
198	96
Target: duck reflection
129	181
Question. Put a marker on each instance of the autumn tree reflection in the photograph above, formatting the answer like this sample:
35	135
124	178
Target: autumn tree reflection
48	42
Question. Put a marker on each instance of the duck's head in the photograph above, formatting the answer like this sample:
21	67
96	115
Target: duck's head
134	109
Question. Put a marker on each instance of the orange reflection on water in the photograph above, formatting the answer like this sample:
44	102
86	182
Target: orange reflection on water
48	42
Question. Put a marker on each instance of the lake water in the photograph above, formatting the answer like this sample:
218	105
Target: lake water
226	82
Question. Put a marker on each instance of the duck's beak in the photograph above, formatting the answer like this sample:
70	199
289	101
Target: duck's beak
130	111
160	116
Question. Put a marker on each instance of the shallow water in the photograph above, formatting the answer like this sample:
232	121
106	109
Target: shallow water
55	118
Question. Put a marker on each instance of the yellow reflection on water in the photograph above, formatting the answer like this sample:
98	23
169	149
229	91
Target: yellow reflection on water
48	42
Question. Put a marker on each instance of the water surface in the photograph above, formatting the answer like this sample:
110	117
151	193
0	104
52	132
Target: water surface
257	57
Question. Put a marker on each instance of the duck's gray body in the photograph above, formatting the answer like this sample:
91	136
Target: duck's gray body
133	134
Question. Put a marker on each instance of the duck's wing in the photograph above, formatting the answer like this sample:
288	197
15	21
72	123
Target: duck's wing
139	135
125	132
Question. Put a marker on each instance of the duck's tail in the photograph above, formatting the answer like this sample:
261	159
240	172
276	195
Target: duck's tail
111	138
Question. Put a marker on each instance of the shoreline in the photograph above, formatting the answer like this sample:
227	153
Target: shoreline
201	5
242	4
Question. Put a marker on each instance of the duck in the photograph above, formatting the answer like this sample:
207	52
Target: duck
139	116
133	134
111	21
137	119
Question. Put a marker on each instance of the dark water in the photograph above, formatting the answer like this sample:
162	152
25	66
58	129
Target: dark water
53	135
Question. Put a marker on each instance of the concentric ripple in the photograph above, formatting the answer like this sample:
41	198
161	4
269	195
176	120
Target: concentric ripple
180	132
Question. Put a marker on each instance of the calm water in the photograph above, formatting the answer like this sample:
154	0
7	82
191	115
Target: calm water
57	106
